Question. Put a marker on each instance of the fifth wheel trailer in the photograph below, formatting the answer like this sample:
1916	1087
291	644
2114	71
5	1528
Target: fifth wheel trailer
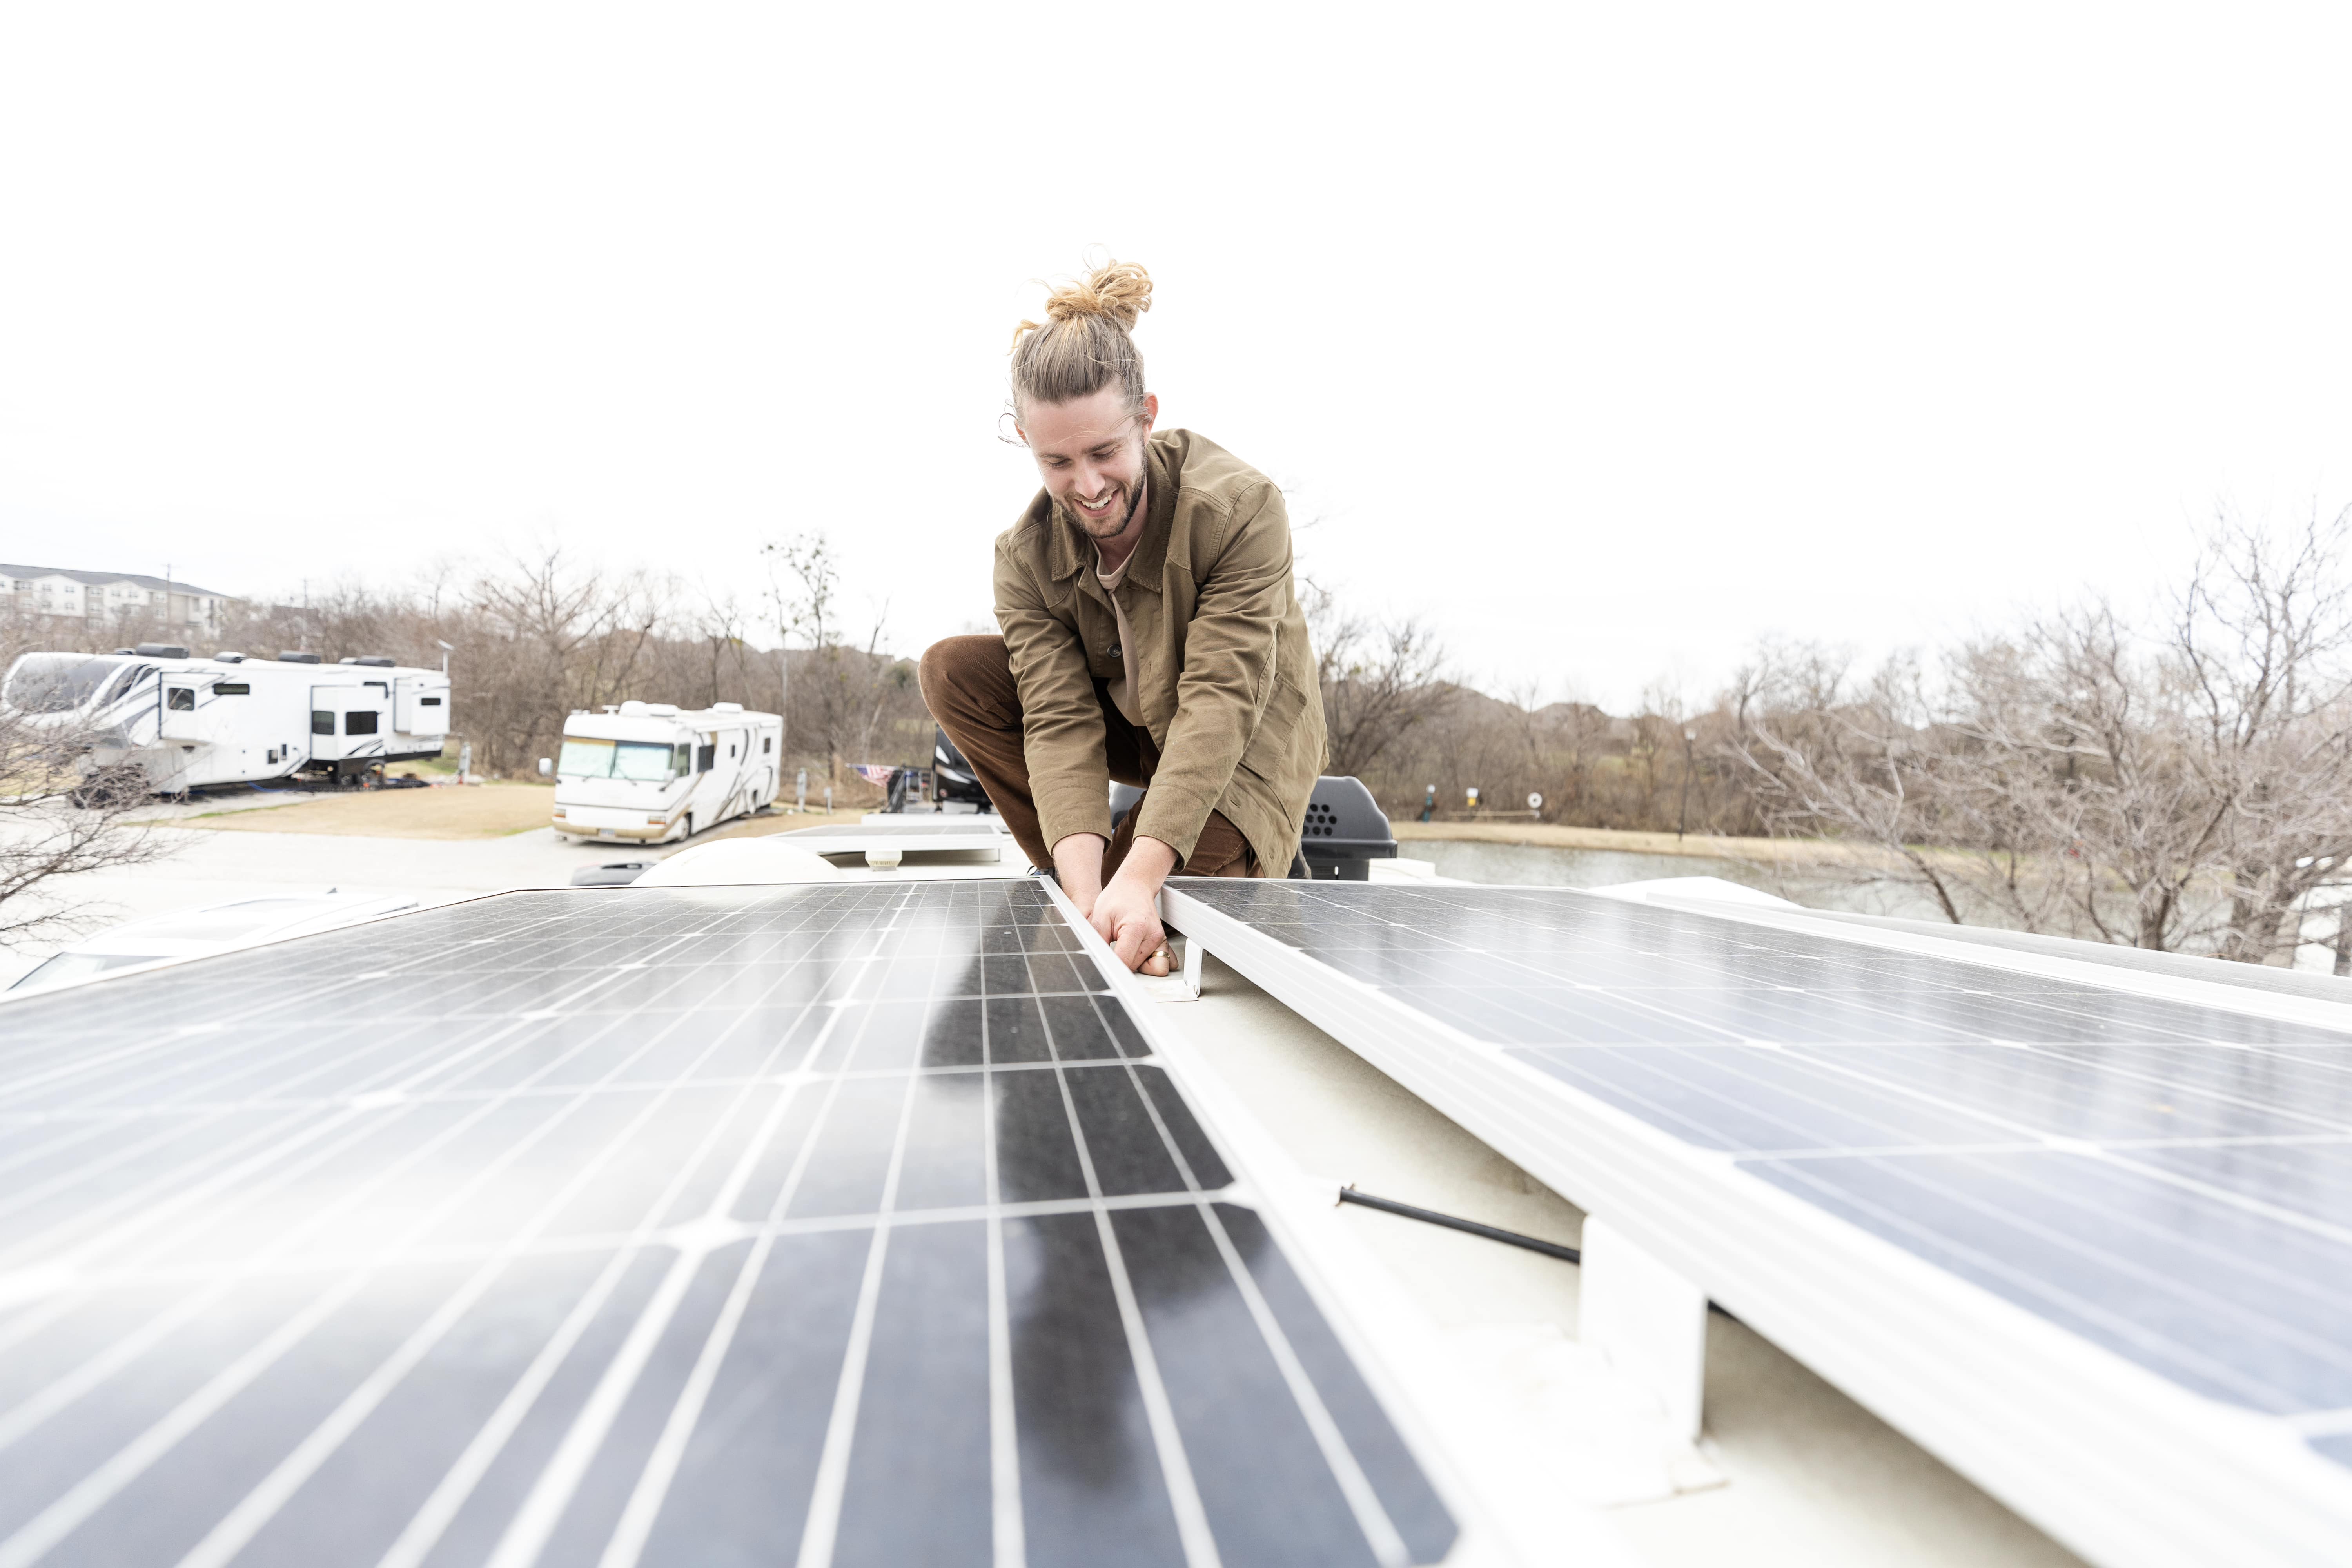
227	720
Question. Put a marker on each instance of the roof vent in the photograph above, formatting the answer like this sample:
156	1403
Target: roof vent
228	656
160	650
126	650
631	709
1345	831
298	658
662	709
372	661
727	708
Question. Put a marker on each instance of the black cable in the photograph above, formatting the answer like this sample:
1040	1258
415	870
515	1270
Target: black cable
1431	1216
1492	1233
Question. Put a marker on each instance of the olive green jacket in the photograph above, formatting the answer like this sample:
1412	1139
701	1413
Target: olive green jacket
1222	672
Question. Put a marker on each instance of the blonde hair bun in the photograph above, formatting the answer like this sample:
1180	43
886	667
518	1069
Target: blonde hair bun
1083	345
1119	290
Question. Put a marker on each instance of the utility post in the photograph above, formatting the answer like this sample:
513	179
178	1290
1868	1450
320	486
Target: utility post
786	613
1682	813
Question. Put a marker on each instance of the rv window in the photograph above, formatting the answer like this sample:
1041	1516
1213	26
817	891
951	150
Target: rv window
358	722
322	722
706	758
767	744
428	702
181	699
647	762
682	764
232	689
585	759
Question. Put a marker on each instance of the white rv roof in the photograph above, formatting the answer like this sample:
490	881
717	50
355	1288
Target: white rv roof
659	721
204	664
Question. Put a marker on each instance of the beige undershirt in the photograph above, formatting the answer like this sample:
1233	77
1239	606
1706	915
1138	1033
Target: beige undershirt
1122	691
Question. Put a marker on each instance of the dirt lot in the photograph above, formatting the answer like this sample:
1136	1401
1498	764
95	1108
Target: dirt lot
471	811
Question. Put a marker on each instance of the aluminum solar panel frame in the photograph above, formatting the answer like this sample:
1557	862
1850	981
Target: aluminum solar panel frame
831	1224
2087	1239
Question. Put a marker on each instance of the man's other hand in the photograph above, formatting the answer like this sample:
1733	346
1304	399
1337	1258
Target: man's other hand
1078	866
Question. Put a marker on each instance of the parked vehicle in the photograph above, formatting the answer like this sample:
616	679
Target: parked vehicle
192	722
649	773
215	928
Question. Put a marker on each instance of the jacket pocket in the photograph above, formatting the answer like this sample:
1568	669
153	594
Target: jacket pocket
1272	753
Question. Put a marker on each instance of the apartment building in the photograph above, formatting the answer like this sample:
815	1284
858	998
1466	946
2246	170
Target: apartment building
107	596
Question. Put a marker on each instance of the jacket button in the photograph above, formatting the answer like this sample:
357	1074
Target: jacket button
1114	650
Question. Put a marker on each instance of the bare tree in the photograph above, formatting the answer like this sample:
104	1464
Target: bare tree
1381	680
58	813
2260	638
850	698
2188	790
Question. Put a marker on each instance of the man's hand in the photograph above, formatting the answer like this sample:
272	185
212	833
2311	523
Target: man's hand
1127	913
1078	865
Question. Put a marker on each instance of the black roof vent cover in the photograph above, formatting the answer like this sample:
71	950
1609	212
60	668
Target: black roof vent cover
298	658
1345	831
372	661
160	650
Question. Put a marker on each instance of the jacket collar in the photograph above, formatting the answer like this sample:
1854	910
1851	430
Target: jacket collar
1070	553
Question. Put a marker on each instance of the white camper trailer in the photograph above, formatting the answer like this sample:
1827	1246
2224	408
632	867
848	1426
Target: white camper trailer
648	773
230	720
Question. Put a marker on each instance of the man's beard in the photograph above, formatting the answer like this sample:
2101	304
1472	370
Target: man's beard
1100	530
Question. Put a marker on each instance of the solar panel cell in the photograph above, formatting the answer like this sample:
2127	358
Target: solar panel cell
923	1412
1091	1481
2235	1305
1735	1097
1262	1481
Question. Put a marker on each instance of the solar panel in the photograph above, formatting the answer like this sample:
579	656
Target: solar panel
2167	1180
822	1223
938	834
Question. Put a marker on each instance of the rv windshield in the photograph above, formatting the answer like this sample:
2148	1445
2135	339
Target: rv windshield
55	682
641	760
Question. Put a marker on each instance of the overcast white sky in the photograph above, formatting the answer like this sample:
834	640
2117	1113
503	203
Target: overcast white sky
1606	339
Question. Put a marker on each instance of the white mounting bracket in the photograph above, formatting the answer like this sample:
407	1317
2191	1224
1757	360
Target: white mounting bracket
1650	1321
1184	984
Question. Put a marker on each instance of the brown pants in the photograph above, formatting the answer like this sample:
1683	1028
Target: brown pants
968	684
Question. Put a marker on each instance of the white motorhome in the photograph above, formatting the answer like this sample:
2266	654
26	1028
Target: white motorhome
648	772
230	718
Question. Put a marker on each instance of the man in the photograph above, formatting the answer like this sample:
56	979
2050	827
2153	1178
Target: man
1152	634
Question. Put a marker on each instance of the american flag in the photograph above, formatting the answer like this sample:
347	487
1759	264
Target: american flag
876	773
